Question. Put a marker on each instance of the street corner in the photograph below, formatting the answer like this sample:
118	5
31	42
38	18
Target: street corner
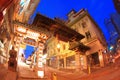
11	75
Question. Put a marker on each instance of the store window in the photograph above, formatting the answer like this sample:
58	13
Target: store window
84	25
70	61
88	35
61	63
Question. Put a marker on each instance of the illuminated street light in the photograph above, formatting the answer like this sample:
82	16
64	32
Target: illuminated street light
111	47
58	46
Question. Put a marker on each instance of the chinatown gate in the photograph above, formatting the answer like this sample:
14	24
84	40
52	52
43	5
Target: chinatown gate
24	37
29	36
37	34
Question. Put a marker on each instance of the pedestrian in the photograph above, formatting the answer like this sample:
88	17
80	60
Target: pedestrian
12	63
30	59
22	57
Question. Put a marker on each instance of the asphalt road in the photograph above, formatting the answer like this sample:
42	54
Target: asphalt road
110	72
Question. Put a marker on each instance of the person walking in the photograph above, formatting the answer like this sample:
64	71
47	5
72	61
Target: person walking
12	63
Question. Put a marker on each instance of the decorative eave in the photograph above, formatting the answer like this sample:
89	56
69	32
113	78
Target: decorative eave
32	27
79	47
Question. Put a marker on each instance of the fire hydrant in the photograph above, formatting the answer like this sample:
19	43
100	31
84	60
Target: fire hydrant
54	76
89	69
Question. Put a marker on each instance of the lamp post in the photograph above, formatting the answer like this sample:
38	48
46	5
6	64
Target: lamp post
58	47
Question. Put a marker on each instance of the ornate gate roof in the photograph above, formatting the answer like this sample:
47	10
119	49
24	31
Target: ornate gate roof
59	30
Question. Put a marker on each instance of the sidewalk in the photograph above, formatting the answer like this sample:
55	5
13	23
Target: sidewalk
66	75
110	72
25	72
6	74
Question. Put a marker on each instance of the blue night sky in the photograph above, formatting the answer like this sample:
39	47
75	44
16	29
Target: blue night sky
98	9
28	51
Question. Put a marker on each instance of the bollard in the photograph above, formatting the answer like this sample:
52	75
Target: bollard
89	69
54	76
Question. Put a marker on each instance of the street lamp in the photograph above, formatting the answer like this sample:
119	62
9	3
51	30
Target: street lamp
58	47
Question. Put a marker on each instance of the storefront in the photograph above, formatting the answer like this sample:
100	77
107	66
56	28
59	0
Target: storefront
4	44
61	63
93	59
53	62
70	61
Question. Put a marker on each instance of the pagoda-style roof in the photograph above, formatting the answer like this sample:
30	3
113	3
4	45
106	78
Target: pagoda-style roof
59	30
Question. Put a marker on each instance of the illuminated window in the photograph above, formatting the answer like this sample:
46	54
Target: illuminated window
22	3
20	29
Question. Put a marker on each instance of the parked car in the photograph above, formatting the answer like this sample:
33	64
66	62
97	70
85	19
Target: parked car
28	60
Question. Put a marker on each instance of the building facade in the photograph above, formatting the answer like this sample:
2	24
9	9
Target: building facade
113	27
68	58
83	23
115	18
117	5
6	28
10	11
24	10
113	35
59	55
